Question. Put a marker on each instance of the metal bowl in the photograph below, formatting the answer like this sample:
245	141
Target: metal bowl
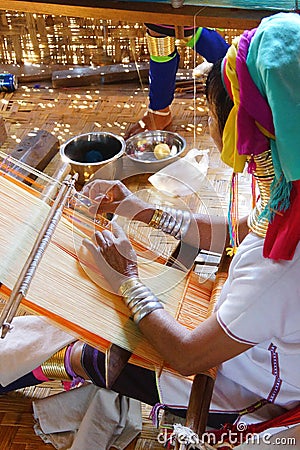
143	149
88	153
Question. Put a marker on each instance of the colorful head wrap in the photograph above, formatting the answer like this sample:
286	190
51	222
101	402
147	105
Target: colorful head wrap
263	69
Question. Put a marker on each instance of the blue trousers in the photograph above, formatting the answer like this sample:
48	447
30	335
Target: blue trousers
162	75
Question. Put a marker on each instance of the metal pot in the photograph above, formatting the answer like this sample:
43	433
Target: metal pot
94	152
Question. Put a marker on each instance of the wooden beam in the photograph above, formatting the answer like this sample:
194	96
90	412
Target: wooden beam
112	73
36	150
3	132
143	12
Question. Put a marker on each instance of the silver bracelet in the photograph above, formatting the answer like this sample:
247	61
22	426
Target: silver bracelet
159	113
139	299
171	221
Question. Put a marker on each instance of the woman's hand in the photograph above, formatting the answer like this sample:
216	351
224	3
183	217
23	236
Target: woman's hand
113	255
114	197
106	196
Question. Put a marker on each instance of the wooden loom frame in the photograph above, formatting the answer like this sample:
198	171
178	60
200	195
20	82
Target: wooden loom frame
215	17
58	249
203	383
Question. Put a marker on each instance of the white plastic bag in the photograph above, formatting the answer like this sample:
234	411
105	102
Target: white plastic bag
183	177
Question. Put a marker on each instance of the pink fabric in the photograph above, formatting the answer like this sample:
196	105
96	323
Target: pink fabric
39	374
253	106
283	232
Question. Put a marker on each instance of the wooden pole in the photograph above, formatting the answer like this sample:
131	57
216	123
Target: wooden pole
145	12
203	385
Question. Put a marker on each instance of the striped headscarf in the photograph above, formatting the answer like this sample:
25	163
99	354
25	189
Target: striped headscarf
262	72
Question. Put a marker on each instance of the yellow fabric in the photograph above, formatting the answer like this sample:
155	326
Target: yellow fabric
229	153
264	131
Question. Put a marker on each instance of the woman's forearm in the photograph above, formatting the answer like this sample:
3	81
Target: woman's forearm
186	351
205	232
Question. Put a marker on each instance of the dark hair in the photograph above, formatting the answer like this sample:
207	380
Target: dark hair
216	95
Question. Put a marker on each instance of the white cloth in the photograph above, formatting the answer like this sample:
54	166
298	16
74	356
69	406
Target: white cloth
30	342
81	419
88	418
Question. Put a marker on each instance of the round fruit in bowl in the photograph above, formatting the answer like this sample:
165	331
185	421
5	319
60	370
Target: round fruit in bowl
155	147
161	151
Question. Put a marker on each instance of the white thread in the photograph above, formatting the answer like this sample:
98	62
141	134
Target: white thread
185	435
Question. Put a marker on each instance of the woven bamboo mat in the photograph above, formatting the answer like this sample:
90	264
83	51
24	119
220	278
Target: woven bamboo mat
16	419
68	112
16	422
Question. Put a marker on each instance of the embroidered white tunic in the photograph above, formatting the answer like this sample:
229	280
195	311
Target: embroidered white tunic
260	305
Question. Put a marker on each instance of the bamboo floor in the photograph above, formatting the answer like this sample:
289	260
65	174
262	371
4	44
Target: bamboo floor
68	112
16	422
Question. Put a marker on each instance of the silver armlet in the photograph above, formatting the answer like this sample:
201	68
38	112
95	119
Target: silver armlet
171	221
139	299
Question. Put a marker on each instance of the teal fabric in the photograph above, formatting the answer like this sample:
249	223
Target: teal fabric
274	65
246	4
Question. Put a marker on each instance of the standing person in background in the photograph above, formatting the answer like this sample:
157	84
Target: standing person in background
164	62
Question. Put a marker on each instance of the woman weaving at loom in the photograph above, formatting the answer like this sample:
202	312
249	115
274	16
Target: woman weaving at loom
254	332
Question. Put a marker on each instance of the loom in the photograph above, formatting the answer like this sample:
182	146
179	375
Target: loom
25	277
28	211
61	279
185	298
